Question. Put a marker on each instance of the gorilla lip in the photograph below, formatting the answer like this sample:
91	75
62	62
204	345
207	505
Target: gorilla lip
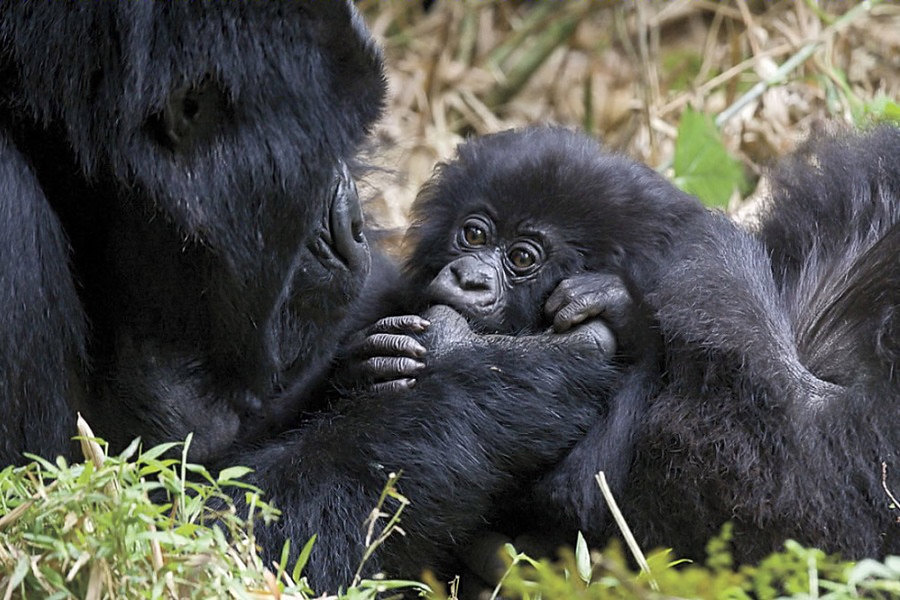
341	240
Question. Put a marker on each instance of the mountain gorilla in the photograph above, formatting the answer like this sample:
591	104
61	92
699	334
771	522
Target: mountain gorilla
180	229
182	245
456	377
782	415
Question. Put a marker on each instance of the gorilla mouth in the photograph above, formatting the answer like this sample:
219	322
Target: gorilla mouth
341	242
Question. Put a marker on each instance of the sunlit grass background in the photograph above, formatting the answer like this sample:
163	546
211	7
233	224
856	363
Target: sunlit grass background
626	72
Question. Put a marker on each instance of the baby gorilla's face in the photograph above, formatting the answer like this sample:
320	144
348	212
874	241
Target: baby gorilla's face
497	277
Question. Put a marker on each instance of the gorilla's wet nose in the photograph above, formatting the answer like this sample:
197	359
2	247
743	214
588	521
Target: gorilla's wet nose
473	277
346	221
468	285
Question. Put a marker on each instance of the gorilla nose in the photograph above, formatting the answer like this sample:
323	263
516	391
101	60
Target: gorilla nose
468	285
472	278
346	221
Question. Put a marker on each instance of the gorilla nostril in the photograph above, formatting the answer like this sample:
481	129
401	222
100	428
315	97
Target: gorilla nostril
471	280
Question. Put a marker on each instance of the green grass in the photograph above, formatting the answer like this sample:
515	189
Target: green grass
91	530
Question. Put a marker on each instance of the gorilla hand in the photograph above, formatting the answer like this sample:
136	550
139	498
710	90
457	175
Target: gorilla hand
587	295
388	356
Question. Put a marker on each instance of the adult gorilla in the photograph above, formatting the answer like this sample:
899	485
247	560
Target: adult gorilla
179	227
181	243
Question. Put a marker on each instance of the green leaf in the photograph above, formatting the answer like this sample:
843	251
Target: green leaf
156	451
232	473
199	470
583	559
282	564
85	475
702	165
130	450
303	558
188	529
882	108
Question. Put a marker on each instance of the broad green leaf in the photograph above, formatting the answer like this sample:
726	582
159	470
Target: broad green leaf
702	165
156	451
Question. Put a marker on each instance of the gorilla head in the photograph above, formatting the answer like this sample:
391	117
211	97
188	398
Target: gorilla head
527	208
194	157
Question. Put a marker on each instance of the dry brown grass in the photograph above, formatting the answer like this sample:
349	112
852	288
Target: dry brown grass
622	70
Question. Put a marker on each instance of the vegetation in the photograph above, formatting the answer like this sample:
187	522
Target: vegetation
636	74
144	524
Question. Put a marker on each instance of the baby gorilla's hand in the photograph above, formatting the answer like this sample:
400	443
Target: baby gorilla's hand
603	295
388	356
593	336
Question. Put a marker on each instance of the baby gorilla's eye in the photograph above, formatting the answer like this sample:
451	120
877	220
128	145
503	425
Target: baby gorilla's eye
474	235
522	258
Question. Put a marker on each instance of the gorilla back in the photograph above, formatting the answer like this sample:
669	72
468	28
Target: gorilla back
180	225
796	437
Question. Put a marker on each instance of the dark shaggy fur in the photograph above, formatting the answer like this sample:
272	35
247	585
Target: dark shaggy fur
769	397
778	414
180	238
759	389
492	409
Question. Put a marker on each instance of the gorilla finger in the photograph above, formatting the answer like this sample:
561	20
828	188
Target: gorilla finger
559	298
400	324
390	344
397	385
390	367
574	313
616	302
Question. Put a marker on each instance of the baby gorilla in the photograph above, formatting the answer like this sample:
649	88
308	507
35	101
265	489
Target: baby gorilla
507	235
504	235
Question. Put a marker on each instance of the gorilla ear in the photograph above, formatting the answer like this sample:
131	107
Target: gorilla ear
192	113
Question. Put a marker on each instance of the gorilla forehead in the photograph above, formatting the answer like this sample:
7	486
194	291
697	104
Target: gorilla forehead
540	177
302	80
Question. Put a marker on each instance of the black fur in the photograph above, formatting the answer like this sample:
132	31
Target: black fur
171	178
777	413
769	396
470	434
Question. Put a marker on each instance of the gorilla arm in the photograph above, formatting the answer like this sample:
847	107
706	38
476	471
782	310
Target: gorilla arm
486	411
42	328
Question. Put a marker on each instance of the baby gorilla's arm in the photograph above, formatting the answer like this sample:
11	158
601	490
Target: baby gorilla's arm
388	356
487	413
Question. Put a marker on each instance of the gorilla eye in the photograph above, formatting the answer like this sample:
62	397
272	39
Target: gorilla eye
192	113
474	234
523	258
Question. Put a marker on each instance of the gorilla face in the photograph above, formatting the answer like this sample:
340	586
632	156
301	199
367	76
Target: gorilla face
497	272
201	153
